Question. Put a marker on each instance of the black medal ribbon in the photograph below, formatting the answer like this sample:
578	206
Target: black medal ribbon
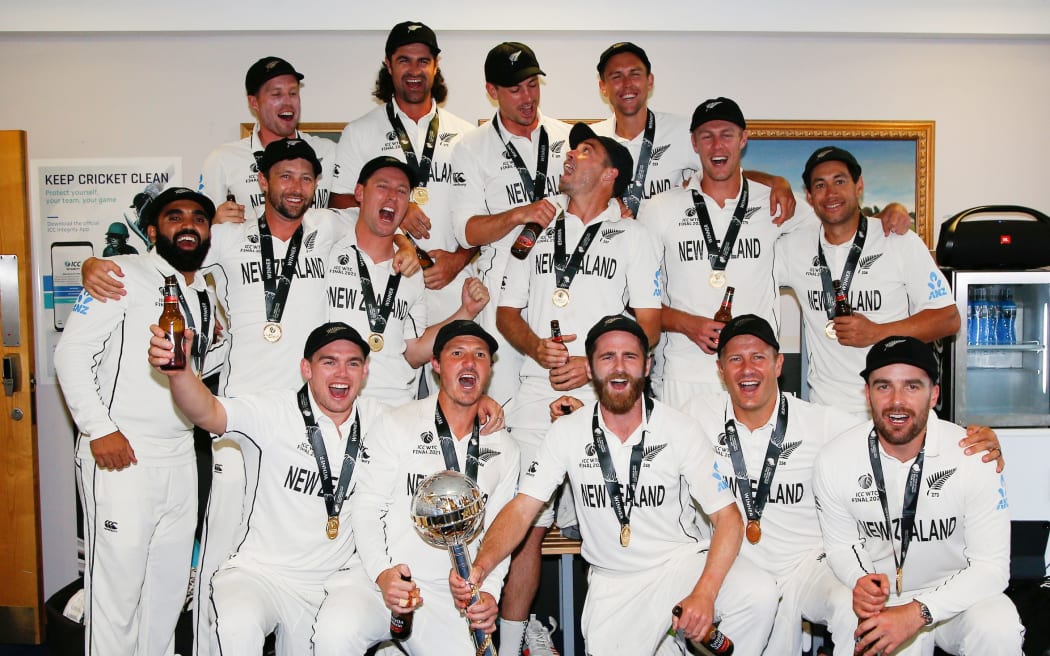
276	286
719	257
911	497
535	188
612	485
423	165
848	268
565	267
333	495
632	196
755	504
202	337
448	445
377	313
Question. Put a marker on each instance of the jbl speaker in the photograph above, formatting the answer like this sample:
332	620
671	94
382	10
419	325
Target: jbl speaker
995	237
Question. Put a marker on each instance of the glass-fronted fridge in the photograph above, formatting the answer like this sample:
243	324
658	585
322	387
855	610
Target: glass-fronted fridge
995	371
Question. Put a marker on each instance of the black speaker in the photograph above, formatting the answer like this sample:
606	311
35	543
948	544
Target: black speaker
995	237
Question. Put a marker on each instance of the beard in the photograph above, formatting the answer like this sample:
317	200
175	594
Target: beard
619	402
182	260
896	436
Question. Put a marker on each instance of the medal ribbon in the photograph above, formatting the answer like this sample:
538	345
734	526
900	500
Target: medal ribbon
719	257
612	485
333	497
754	505
377	314
276	286
423	165
535	188
448	445
911	499
566	268
632	196
202	337
848	269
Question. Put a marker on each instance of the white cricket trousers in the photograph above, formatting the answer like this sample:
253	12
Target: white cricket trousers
138	531
630	613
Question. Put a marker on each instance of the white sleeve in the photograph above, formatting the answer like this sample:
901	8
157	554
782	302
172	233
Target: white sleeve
927	287
698	470
348	163
987	536
250	419
213	181
546	473
804	217
643	280
846	554
500	497
80	350
468	192
374	489
515	292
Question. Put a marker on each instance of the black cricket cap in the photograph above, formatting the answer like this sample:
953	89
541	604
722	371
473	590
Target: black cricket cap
333	331
899	349
408	32
717	109
621	47
382	162
618	154
265	70
612	323
152	209
747	324
509	63
461	327
830	154
285	149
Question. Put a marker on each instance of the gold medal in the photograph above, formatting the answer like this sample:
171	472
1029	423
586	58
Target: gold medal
900	580
560	297
332	529
272	332
829	329
625	535
753	531
717	279
420	195
375	342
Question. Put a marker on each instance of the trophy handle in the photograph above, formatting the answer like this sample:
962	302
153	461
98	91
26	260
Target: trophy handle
482	640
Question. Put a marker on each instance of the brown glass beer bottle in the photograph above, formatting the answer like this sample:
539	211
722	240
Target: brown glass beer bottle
725	313
173	324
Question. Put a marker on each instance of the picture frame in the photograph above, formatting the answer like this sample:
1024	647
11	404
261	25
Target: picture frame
896	159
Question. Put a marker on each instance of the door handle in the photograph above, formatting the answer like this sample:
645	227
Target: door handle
12	374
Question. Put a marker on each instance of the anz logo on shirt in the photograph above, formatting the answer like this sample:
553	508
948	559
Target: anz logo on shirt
83	302
936	285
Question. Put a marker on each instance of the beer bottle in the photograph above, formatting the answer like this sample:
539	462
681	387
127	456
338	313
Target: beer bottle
425	261
173	324
555	331
230	197
842	308
725	313
526	240
716	642
401	624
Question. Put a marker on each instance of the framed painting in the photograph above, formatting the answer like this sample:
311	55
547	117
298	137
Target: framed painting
896	158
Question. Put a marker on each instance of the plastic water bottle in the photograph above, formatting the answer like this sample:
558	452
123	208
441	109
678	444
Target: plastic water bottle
985	327
971	316
1006	327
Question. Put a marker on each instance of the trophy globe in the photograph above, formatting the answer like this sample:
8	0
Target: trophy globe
448	510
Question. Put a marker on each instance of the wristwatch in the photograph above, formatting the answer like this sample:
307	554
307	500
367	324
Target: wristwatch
924	612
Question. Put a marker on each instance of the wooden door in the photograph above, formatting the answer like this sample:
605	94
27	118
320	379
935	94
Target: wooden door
21	575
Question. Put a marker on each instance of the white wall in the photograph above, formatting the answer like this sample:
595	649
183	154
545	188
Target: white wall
159	94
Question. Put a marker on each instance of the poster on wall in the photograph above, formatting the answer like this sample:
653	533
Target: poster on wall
83	208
